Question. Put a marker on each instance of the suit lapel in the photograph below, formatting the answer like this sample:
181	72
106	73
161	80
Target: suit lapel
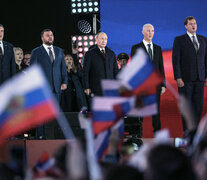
45	54
190	42
200	42
5	47
56	54
143	46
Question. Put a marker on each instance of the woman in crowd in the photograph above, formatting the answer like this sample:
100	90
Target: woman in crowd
19	55
73	98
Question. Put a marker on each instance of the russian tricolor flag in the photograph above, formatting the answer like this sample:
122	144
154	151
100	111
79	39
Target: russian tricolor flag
102	139
141	75
26	102
107	110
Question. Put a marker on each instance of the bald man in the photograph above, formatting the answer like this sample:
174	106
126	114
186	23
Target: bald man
99	63
155	55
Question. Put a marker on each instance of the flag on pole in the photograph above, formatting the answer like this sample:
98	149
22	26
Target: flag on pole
26	102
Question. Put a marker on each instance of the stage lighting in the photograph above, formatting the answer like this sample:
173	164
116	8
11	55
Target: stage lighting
83	44
85	6
84	26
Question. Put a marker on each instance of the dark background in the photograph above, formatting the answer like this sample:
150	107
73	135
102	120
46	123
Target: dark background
23	21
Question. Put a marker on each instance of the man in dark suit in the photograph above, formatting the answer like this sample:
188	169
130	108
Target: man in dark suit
7	61
51	59
99	63
190	66
155	54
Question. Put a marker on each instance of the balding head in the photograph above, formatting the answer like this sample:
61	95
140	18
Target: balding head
101	39
148	32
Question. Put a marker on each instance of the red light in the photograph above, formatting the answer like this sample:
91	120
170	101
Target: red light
80	55
85	49
85	43
80	43
91	43
80	49
79	38
79	60
74	38
90	37
85	37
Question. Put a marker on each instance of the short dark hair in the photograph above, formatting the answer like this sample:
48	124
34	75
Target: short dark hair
187	19
1	25
45	30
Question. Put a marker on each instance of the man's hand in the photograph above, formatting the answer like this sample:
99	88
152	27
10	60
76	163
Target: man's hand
180	82
205	82
87	91
163	90
63	86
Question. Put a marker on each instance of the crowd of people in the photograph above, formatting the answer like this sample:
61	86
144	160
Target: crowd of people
74	85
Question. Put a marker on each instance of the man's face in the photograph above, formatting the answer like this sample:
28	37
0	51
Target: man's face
148	33
48	38
101	40
191	26
1	33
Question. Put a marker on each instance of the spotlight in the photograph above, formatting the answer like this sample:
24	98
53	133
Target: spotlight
84	26
83	44
85	6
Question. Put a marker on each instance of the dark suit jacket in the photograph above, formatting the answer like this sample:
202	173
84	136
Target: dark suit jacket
56	72
187	64
96	68
157	57
8	65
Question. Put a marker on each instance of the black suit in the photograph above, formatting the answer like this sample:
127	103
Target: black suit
191	67
158	61
97	67
7	64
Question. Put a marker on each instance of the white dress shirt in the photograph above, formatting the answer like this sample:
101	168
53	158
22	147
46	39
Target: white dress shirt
2	47
146	46
52	49
190	35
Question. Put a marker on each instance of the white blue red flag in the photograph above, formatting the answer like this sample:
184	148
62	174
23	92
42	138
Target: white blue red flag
102	139
26	102
107	110
140	76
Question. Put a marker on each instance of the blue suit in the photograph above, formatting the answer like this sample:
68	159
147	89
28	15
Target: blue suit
56	72
191	67
7	65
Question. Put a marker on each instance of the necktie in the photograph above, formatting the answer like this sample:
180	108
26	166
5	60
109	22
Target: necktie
51	55
1	53
195	43
149	51
103	52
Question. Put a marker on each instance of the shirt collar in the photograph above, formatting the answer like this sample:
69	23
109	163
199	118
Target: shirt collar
190	35
146	43
101	49
46	46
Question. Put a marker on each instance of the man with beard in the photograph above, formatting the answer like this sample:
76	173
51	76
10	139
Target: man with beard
51	60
